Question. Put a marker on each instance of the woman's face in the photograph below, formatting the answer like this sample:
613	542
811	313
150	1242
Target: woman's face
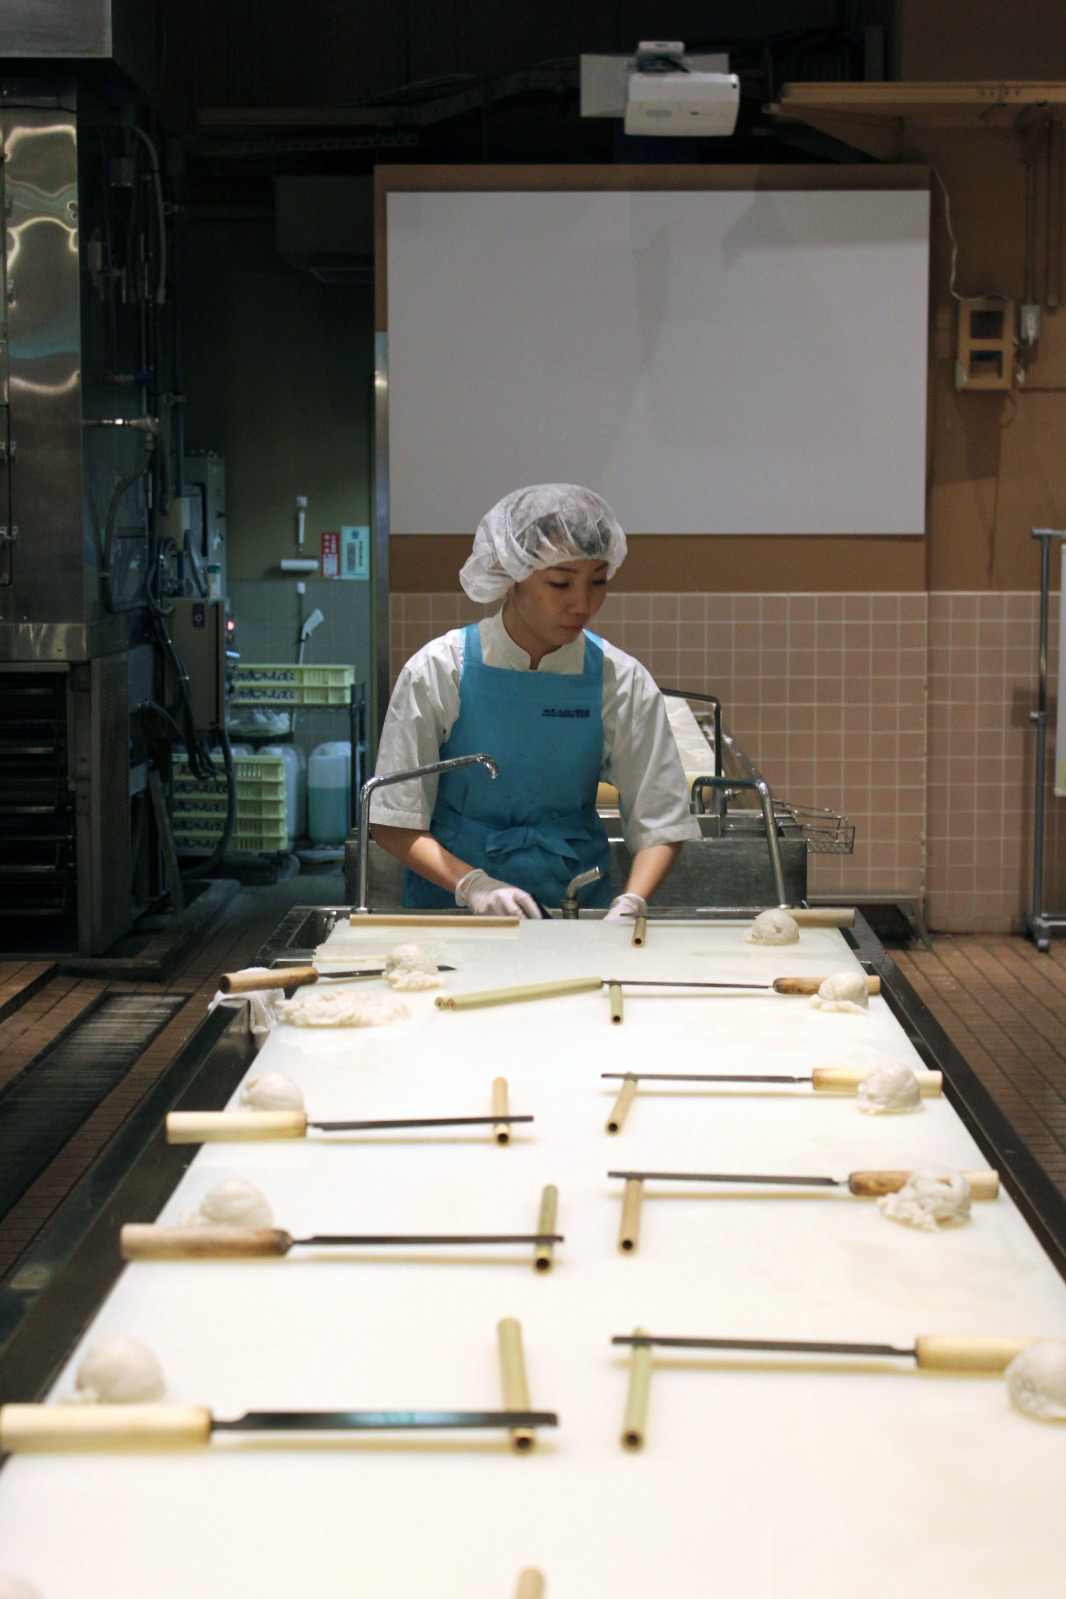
555	604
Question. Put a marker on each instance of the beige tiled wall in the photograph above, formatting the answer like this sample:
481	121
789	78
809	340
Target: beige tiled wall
907	712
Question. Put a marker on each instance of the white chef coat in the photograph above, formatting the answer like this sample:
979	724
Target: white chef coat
639	753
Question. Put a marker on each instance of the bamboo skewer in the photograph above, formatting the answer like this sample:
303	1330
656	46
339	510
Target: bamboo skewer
502	1131
543	1257
513	1377
635	1422
823	1079
616	1002
793	986
258	1126
863	1184
629	1229
429	919
627	1094
513	996
983	1185
964	1355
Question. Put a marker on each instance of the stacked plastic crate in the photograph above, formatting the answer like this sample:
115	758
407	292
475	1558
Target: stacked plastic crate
262	822
281	687
200	807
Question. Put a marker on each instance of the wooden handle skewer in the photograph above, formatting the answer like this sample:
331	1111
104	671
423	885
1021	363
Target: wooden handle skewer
255	978
640	932
627	1094
845	1079
234	1127
502	1131
965	1354
428	919
513	1376
530	1584
615	991
143	1241
30	1429
823	915
629	1228
873	1184
635	1422
549	1206
811	985
588	985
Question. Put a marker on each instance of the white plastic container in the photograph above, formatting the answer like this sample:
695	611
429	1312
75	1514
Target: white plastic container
291	756
329	783
301	791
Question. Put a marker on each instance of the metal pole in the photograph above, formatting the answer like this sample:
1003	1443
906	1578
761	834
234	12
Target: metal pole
1039	716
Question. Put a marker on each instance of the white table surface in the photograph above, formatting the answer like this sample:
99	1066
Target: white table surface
803	1481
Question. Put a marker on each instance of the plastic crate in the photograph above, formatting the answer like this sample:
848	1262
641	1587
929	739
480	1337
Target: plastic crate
257	836
200	806
286	685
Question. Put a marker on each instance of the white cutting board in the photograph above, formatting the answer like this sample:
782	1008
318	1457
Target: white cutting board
754	1483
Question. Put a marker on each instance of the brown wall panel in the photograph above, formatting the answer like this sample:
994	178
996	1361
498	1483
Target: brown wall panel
688	564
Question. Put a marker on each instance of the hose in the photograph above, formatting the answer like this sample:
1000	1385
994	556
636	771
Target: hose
161	283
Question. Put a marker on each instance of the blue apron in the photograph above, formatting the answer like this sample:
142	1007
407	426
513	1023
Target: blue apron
536	824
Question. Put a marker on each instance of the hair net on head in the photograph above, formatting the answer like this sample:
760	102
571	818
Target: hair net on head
539	527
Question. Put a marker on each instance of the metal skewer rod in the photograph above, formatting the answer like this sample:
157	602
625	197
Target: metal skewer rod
864	1184
255	1126
937	1352
40	1429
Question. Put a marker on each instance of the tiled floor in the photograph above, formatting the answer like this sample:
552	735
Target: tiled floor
1002	1003
1004	1006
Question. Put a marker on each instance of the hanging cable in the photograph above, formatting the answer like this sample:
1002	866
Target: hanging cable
157	183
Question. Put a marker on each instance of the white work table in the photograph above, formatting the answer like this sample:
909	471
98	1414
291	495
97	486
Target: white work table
757	1481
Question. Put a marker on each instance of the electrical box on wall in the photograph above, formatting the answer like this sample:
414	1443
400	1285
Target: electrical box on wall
984	349
198	628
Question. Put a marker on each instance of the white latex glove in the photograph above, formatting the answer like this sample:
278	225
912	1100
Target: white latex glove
626	905
487	896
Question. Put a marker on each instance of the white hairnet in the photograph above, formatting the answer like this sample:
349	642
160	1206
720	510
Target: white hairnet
539	527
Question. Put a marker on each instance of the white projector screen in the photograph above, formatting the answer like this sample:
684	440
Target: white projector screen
708	361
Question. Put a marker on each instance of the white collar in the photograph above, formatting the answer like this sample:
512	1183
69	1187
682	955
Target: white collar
498	643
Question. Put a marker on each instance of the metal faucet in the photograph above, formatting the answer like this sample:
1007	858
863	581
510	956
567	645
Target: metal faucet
766	804
372	783
568	904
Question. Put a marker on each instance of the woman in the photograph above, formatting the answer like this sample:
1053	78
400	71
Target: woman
556	707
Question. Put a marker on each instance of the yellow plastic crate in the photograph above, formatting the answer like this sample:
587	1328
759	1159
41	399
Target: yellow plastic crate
292	685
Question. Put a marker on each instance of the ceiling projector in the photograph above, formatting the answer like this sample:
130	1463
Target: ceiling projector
665	97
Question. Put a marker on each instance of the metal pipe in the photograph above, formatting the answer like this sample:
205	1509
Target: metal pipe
1039	717
716	708
402	777
569	903
766	803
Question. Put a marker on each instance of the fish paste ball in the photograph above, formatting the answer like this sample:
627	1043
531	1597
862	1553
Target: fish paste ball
272	1091
236	1203
119	1371
1036	1380
931	1198
844	991
773	927
891	1089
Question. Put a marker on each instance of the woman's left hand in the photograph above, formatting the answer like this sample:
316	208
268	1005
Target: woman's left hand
626	905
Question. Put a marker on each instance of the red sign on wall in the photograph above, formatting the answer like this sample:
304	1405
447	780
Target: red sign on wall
331	554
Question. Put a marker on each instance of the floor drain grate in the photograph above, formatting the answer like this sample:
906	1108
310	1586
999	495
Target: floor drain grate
43	1107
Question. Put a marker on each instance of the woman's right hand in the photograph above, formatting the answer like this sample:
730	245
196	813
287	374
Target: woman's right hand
487	896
